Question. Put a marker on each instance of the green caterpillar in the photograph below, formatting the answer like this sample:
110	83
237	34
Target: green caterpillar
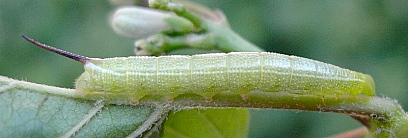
120	79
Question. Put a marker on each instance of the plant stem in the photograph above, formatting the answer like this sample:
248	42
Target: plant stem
384	117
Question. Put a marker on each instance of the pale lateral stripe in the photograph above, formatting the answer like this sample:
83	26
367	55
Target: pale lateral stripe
191	75
127	75
221	72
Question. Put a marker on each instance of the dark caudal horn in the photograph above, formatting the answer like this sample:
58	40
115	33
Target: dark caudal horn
76	57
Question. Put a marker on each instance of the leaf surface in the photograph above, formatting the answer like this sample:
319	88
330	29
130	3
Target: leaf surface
32	113
227	122
34	110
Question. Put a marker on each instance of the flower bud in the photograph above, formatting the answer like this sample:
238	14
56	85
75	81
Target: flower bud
138	22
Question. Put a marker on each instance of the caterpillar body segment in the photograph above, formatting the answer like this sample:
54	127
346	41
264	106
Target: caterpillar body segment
128	79
210	74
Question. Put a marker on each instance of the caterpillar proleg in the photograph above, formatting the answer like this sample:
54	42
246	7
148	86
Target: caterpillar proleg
131	78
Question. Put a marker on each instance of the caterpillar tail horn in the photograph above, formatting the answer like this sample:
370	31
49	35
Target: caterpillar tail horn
76	57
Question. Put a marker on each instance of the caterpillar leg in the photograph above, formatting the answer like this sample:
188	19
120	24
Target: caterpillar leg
208	99
208	96
134	101
244	96
170	98
323	100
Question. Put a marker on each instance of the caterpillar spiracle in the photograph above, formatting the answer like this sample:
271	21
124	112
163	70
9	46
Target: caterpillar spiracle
131	78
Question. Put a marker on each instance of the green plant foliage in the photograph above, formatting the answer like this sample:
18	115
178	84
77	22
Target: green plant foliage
368	37
203	121
32	112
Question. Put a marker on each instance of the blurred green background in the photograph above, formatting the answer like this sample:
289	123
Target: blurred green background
365	36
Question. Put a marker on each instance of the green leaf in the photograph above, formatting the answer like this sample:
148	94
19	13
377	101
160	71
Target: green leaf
29	112
34	110
226	122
